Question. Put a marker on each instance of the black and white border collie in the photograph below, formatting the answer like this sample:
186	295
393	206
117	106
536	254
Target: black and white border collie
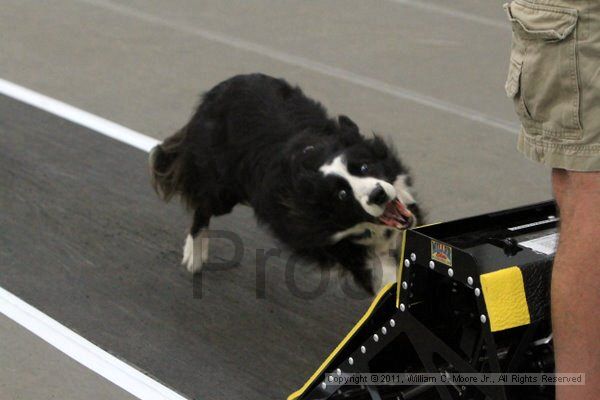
333	196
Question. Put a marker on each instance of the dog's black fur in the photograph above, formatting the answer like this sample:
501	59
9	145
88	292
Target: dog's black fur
257	140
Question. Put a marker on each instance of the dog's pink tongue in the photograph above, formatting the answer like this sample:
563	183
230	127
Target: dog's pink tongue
405	212
397	215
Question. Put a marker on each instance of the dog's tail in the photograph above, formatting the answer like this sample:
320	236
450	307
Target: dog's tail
169	166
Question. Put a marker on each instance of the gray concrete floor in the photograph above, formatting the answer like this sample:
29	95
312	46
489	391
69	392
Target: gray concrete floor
429	74
31	369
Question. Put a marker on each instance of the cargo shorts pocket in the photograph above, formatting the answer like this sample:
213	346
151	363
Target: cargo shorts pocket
543	75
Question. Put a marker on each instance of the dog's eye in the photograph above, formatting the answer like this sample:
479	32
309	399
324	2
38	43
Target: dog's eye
364	169
342	195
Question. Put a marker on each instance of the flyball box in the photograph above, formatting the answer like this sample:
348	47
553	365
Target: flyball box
472	296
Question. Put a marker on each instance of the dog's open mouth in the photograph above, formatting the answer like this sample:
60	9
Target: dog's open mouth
397	215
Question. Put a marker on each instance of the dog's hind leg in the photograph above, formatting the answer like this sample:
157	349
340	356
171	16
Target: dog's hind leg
195	250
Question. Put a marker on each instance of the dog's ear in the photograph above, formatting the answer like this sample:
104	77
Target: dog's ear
349	130
385	152
381	149
347	124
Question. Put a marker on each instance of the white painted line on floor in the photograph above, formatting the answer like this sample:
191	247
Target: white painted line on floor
78	116
428	6
315	66
51	331
84	351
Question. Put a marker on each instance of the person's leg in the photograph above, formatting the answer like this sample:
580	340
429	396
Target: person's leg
576	282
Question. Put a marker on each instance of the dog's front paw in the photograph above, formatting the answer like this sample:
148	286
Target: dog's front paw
195	252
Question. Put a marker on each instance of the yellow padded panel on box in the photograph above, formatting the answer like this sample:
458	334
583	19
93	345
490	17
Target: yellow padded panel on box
504	296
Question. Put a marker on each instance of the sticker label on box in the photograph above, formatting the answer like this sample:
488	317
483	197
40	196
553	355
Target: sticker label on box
441	252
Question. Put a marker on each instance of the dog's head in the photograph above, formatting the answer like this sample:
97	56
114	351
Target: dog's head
356	188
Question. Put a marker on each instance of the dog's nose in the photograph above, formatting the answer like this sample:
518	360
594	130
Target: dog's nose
378	196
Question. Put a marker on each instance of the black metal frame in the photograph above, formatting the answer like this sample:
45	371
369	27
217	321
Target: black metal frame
433	321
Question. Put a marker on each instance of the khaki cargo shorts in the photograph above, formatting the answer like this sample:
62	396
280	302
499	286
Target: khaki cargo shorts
554	81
